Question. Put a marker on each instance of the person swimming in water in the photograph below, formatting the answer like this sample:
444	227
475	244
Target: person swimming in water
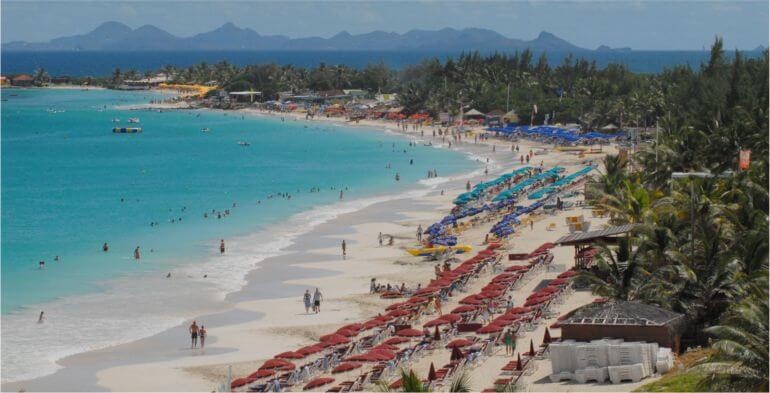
41	265
105	247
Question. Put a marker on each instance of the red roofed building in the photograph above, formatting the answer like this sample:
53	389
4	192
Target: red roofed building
22	80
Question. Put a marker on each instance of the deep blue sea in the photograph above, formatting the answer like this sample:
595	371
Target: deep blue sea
103	63
69	185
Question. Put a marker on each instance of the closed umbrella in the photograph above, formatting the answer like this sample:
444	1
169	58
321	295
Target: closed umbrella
518	361
547	336
457	354
432	372
531	348
437	335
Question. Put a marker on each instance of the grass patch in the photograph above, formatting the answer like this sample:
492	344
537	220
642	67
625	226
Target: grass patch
679	379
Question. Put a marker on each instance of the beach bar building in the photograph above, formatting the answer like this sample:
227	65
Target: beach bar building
630	321
244	96
584	242
22	80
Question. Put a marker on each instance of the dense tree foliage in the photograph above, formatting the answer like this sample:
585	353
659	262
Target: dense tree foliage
701	246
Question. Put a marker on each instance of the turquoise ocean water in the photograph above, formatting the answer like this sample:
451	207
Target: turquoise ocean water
69	185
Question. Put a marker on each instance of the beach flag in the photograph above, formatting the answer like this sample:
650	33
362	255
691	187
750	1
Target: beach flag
745	159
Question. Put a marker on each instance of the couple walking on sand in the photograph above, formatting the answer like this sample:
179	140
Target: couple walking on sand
315	303
195	333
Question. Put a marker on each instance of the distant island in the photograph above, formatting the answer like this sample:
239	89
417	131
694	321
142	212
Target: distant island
115	36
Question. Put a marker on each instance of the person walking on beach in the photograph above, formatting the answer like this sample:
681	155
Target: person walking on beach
419	233
508	342
202	333
193	335
380	238
307	300
531	224
222	246
137	253
41	317
344	249
317	297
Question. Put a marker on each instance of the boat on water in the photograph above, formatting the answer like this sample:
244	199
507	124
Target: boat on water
127	130
133	120
244	143
205	129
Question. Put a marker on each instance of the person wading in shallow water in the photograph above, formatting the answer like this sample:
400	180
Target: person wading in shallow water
222	246
344	250
193	335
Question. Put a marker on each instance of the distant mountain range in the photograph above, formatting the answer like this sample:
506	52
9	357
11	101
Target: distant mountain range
115	36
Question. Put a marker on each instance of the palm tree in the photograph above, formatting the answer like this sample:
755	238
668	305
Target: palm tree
741	361
41	77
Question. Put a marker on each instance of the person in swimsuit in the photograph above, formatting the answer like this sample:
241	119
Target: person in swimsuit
193	335
307	300
105	247
344	249
40	318
137	253
222	246
317	301
202	334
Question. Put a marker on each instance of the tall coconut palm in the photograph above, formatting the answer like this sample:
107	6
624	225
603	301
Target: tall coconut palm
741	361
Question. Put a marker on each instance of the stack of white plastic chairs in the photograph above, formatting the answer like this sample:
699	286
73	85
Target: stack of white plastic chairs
607	359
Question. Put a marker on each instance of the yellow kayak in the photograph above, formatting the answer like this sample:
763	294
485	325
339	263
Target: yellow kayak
425	251
571	148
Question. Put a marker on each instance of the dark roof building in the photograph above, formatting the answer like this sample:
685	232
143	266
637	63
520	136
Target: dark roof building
631	321
22	80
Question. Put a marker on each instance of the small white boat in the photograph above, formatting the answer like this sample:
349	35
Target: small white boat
205	129
116	120
133	120
244	143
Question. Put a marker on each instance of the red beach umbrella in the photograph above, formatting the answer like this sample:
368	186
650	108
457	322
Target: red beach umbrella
491	328
396	340
391	295
394	306
373	323
567	274
520	310
354	327
310	349
417	300
426	291
409	333
345	367
346	333
261	374
335	339
472	300
276	363
318	382
238	383
364	357
516	268
494	287
464	309
398	313
331	336
387	347
550	289
436	322
489	295
459	343
452	318
382	354
289	355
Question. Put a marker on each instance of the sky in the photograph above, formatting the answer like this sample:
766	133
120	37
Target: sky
641	25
